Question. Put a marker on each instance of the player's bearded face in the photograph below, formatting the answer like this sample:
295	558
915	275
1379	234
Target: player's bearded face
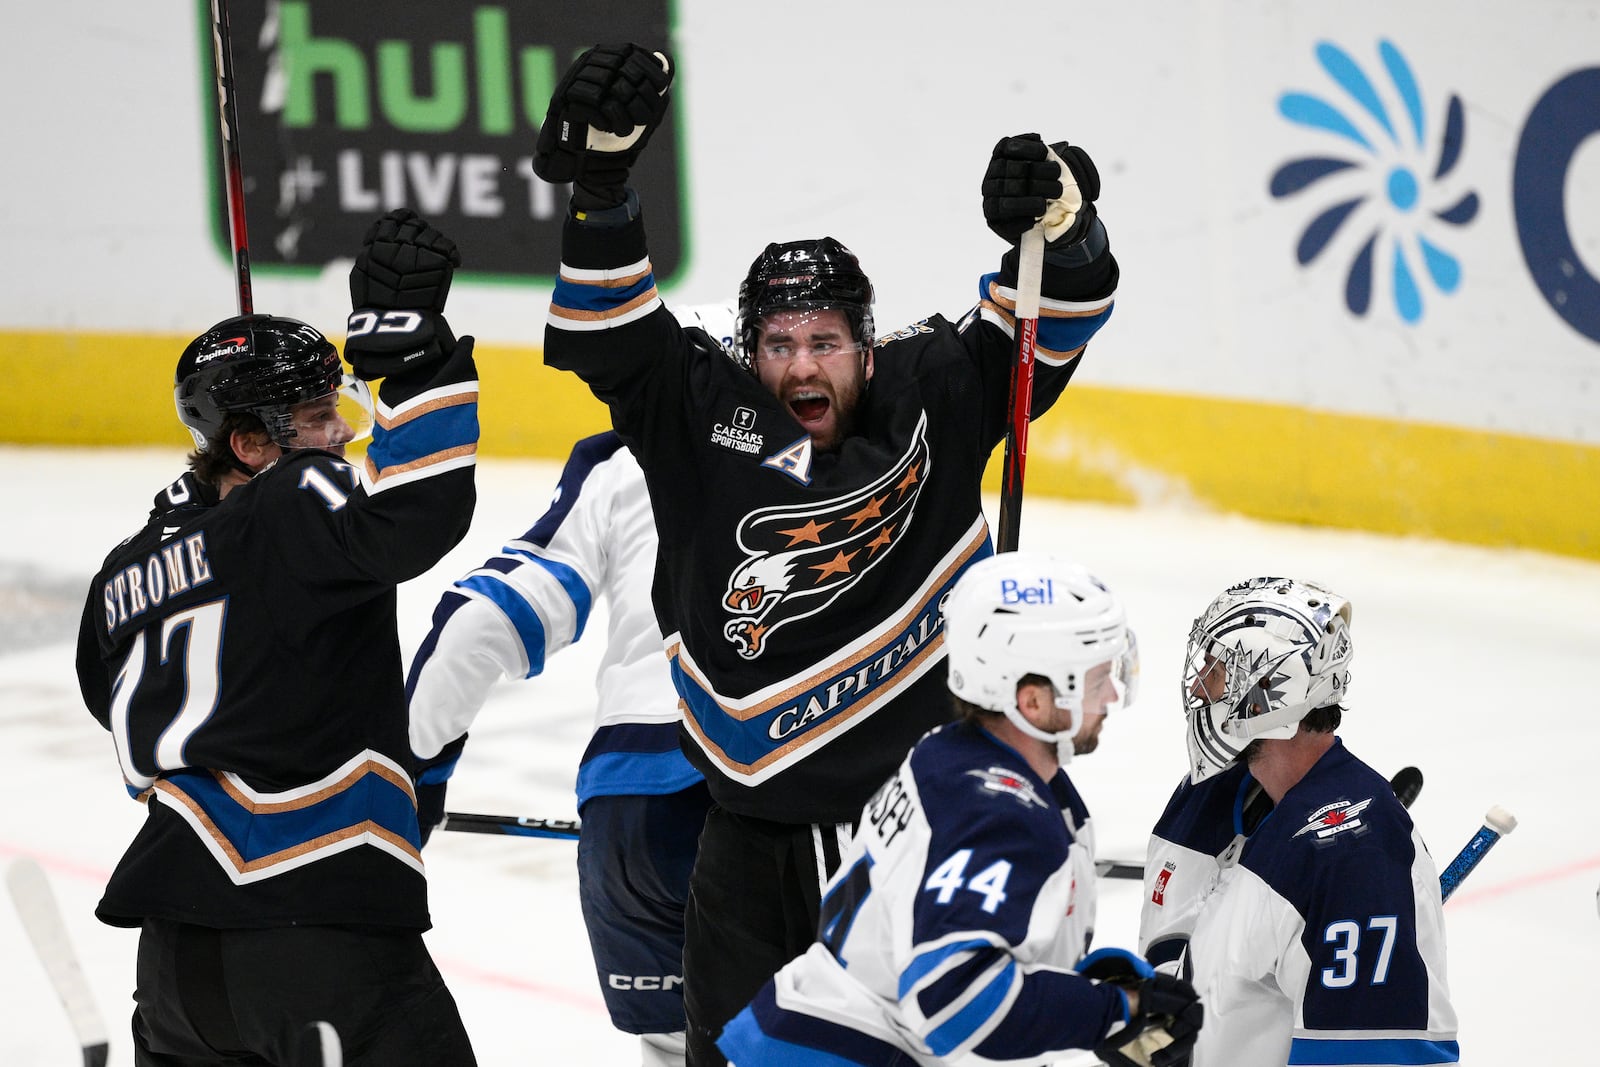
814	365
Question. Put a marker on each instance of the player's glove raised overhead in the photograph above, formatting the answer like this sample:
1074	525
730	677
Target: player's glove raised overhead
1162	1033
398	288
601	116
1029	181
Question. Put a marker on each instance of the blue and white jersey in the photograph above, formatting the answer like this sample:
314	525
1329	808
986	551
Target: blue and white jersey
1201	831
1324	943
534	598
951	927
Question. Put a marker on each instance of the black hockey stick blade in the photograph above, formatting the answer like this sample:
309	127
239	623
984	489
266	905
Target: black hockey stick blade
1407	785
514	825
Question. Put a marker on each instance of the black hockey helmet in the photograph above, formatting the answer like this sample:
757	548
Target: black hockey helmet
261	364
802	275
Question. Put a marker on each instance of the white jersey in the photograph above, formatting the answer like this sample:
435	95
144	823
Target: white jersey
1319	938
534	597
951	927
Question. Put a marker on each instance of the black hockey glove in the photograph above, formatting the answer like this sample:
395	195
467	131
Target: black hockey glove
403	264
398	288
430	807
601	116
1164	1030
1028	181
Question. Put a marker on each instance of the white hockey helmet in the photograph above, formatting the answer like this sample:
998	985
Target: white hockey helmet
1265	653
1021	613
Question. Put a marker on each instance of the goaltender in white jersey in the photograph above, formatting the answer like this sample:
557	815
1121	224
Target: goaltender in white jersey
1314	933
968	894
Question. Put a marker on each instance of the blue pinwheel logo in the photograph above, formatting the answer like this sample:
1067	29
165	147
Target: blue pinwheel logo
1398	186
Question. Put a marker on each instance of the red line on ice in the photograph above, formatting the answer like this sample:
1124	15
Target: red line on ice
1516	885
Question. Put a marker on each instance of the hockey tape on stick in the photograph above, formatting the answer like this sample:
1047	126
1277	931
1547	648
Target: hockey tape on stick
41	919
1030	280
232	165
514	825
1406	783
1496	824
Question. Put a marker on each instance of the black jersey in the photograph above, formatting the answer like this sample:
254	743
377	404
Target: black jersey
244	655
801	591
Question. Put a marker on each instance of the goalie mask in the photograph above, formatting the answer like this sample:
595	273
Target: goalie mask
1267	652
265	365
803	276
1022	613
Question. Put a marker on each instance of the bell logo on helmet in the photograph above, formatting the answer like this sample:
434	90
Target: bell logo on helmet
1014	592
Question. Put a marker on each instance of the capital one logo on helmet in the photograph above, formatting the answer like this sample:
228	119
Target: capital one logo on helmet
801	558
349	110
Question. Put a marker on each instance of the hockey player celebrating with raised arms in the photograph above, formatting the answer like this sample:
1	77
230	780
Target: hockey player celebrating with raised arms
1311	921
815	498
968	893
242	650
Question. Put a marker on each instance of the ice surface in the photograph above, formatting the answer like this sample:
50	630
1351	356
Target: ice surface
1473	664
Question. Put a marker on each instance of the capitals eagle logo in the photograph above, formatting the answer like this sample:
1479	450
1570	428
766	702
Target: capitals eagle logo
799	558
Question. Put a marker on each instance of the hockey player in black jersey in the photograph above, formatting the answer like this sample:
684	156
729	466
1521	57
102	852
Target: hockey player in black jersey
242	650
816	499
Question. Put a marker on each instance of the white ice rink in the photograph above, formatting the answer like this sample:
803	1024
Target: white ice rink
1478	666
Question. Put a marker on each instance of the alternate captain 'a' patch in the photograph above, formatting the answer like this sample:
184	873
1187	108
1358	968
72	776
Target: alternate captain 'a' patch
800	558
1000	780
1342	816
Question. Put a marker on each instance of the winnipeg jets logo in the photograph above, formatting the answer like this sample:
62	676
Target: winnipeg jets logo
1000	780
1336	818
800	558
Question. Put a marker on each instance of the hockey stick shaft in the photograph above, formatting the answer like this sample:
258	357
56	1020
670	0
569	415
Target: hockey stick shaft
41	920
513	825
1406	783
1030	280
1496	824
232	165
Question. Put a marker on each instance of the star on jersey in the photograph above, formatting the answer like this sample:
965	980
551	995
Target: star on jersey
1335	818
800	558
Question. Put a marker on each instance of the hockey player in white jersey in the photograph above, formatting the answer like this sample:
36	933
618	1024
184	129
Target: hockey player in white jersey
967	896
641	802
1314	932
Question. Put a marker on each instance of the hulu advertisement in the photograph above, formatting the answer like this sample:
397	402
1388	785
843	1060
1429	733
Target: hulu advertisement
349	110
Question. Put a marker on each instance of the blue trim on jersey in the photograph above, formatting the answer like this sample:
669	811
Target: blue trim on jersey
615	774
526	621
1058	333
576	589
746	742
1321	1052
449	604
586	455
439	772
963	1024
930	960
764	1034
255	835
447	428
585	296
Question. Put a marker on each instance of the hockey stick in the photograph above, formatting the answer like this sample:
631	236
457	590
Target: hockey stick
1496	824
1406	783
515	825
232	166
41	919
1030	279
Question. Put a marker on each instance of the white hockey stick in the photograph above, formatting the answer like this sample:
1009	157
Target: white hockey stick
1496	824
41	918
